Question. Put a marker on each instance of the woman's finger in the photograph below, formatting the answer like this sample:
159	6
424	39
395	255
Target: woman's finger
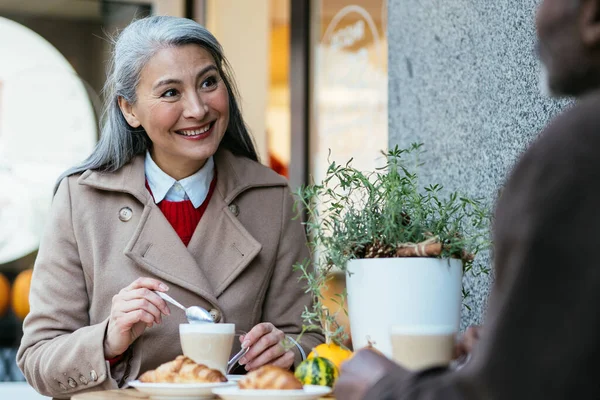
264	343
266	357
148	283
256	333
141	304
148	295
285	361
126	320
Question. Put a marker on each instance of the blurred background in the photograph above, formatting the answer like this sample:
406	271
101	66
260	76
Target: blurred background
313	76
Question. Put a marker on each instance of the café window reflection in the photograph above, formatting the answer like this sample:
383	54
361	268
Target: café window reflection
47	123
349	75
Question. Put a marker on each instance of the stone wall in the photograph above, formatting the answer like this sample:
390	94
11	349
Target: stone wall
463	80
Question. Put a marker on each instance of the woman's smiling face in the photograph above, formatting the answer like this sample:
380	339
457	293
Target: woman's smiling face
183	105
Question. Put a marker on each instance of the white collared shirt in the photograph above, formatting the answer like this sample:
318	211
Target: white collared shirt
195	187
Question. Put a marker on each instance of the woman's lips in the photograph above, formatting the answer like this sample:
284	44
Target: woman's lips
197	134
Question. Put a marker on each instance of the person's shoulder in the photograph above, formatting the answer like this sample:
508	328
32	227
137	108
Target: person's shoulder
572	136
253	173
264	172
66	182
563	158
578	121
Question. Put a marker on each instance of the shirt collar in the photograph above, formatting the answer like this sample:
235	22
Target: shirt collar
196	186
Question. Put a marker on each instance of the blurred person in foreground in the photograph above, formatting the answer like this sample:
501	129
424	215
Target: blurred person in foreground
540	338
173	198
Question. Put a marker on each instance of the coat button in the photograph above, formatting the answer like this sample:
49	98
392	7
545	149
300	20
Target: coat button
93	376
62	386
125	214
83	379
215	314
235	210
72	382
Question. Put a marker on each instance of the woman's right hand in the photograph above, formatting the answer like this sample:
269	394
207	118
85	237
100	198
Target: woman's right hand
135	308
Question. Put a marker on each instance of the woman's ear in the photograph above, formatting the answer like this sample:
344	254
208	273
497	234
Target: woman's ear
128	113
590	23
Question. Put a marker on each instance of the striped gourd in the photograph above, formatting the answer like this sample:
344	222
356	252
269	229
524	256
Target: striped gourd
317	371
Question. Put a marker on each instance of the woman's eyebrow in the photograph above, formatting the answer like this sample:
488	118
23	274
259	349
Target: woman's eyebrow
171	81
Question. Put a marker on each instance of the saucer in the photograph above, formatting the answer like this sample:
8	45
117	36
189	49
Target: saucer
179	391
309	392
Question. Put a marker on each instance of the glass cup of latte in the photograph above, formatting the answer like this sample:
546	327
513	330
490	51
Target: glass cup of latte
208	344
417	347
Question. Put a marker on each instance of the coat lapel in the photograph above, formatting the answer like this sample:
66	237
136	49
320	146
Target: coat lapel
156	247
221	245
220	248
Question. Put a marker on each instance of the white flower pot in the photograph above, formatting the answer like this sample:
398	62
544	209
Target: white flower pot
386	292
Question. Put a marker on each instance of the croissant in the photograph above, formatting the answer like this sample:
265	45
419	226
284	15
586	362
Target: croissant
182	370
270	377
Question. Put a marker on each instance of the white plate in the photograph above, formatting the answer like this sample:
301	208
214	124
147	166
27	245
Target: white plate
309	392
234	378
179	391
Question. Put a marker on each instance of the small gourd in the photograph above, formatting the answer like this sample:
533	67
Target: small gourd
317	371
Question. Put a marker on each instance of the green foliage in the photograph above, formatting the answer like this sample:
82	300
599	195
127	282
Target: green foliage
354	214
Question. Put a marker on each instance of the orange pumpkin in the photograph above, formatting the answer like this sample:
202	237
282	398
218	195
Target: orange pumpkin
20	293
4	294
333	352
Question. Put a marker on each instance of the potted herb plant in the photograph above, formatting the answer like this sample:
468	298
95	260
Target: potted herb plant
403	247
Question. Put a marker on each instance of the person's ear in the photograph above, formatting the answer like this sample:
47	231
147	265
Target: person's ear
128	113
590	22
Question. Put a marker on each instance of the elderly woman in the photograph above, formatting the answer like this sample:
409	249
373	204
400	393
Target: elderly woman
173	200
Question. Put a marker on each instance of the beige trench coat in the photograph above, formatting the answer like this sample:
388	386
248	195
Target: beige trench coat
238	265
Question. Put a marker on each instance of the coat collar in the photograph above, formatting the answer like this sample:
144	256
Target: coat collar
220	248
235	176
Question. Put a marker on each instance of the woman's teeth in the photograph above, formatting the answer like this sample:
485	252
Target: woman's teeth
195	132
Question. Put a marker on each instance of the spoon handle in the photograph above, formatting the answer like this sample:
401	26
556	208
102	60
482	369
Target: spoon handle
236	358
169	299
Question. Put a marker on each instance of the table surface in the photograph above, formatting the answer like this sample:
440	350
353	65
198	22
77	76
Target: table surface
124	394
111	394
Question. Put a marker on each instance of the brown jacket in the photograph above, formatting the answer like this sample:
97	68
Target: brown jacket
541	338
238	265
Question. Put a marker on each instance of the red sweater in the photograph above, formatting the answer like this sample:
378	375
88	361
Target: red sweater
182	215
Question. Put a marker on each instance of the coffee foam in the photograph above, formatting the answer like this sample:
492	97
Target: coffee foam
207	328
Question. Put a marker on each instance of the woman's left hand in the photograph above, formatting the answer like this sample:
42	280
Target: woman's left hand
266	347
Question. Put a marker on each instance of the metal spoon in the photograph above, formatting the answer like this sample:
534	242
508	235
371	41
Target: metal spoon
236	358
194	314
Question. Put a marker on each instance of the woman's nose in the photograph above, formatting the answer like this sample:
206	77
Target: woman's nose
195	108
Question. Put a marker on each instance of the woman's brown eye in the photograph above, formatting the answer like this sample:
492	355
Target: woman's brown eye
170	93
210	82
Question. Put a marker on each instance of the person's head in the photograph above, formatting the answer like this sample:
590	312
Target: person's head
569	45
197	89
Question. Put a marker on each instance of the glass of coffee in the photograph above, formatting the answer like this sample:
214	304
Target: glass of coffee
417	347
208	344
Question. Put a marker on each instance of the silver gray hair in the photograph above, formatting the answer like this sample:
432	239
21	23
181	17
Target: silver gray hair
132	50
